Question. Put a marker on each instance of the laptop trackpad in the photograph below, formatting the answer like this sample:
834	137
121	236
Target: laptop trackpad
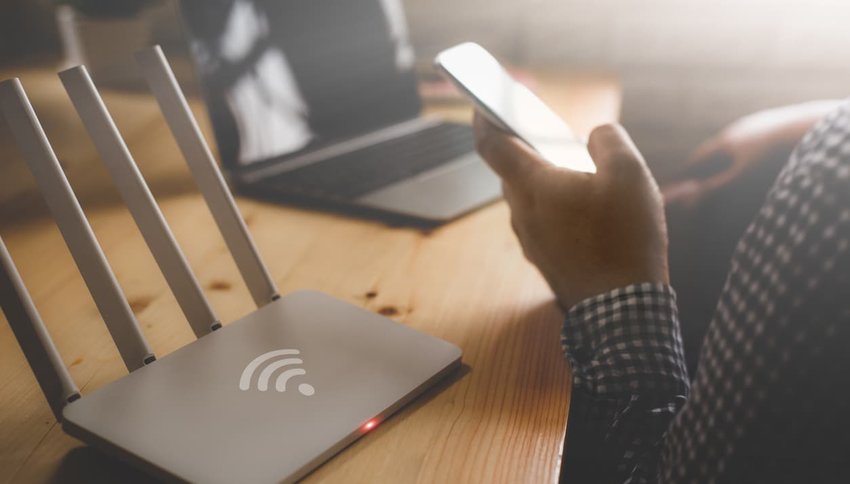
439	194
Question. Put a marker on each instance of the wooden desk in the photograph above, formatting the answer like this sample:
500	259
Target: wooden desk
501	419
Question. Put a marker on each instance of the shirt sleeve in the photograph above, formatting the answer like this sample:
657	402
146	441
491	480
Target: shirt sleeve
629	381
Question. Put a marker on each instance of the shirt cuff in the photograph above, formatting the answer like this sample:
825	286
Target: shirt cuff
626	342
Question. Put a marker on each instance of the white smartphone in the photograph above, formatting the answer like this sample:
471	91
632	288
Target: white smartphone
512	106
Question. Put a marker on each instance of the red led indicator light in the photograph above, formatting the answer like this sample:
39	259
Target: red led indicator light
370	425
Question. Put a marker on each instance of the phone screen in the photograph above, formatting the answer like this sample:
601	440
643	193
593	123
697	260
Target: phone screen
513	106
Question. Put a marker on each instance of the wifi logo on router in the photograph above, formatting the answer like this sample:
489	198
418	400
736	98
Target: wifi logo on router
272	362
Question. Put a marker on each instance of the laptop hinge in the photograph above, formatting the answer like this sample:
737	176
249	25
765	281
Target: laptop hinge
347	146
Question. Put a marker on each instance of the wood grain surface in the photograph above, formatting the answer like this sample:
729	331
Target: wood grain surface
500	419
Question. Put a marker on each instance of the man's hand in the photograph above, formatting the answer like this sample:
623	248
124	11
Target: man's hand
586	233
760	142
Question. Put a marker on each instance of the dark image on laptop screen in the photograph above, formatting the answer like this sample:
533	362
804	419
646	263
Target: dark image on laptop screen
282	76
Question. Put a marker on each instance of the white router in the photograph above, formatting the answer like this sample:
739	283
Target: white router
267	398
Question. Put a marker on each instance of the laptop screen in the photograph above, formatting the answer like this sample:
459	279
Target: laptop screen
285	76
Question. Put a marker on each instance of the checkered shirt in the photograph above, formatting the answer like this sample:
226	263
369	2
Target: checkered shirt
770	401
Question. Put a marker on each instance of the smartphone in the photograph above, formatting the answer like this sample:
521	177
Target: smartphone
512	106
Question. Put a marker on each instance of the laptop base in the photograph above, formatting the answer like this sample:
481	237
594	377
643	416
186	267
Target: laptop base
426	201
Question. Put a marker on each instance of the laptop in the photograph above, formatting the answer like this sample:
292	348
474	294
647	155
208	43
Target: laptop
315	102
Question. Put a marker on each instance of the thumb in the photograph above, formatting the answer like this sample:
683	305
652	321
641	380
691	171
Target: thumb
612	149
506	154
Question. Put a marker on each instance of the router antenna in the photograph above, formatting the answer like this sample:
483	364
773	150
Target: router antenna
138	198
207	175
76	231
32	336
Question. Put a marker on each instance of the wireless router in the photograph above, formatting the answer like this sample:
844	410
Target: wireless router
267	398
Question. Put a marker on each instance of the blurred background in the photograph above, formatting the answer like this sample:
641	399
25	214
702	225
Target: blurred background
687	67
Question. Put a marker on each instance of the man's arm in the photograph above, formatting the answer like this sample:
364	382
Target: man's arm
629	381
768	403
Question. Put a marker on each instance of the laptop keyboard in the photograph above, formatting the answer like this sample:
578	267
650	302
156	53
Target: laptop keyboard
359	172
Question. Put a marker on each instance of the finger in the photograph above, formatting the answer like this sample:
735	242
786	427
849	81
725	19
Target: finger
612	149
718	181
685	194
517	200
509	157
709	159
704	151
691	192
524	241
507	193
